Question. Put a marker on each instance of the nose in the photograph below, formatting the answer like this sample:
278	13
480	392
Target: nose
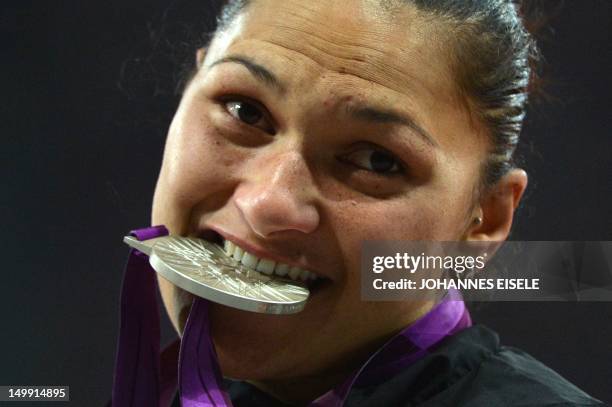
278	195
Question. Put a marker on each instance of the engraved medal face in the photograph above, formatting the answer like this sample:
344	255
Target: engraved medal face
205	270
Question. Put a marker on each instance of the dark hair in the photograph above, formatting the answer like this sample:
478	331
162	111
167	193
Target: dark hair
494	57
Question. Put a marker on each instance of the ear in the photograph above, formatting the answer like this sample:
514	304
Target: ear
200	55
496	208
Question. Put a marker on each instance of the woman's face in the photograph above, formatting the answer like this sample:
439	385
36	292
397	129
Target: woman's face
309	128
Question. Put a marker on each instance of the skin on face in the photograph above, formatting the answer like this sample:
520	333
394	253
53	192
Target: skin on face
341	85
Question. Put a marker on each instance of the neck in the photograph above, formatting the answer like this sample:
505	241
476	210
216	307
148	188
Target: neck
300	391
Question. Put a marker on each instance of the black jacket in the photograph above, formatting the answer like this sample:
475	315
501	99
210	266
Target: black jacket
467	369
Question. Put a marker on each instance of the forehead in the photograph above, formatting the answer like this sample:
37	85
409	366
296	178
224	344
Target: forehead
389	48
330	51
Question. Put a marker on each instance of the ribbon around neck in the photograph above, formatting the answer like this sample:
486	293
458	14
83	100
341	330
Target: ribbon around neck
140	379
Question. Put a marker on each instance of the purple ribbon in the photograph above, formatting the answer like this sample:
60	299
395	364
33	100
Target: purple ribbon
140	379
137	366
200	379
412	343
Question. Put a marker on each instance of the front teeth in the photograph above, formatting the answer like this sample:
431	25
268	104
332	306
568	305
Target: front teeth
294	273
266	266
238	254
249	260
281	269
229	248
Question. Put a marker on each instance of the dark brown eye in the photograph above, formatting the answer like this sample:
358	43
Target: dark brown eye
382	162
244	111
250	113
371	159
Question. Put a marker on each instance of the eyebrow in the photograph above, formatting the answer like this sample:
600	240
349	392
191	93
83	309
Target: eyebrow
366	113
259	72
375	115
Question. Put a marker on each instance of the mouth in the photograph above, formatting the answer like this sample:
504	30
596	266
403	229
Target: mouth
264	265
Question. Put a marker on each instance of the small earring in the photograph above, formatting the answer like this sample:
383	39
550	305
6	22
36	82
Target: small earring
477	220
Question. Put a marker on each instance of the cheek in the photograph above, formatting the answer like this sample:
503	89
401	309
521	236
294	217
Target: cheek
198	165
410	219
421	216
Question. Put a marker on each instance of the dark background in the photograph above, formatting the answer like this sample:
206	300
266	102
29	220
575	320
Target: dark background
87	96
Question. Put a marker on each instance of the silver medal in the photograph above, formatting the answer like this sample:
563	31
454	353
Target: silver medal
205	270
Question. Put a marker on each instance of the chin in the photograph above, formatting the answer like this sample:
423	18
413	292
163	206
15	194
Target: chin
253	346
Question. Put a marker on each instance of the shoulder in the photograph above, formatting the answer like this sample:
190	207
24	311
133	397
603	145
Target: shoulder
507	376
473	369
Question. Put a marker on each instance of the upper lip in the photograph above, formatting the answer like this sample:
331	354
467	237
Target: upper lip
261	252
